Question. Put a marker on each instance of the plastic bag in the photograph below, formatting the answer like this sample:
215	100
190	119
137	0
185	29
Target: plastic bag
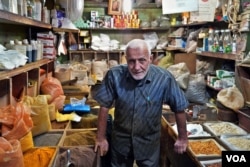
41	119
16	121
196	90
151	38
231	97
10	153
52	86
74	8
181	73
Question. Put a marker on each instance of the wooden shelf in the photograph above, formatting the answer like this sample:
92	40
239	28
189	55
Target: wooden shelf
175	49
200	24
243	65
65	30
227	56
12	18
95	4
27	67
110	51
127	29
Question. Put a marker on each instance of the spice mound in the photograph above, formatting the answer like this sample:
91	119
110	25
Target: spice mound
204	147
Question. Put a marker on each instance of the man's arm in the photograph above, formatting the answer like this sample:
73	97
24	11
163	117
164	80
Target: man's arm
101	141
182	139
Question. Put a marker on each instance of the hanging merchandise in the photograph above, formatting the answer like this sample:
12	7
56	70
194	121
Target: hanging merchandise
61	45
74	8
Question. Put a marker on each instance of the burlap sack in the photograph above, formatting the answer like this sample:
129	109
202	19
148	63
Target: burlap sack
41	119
231	98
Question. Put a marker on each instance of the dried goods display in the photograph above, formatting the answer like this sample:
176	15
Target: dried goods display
212	163
194	130
205	147
237	142
220	128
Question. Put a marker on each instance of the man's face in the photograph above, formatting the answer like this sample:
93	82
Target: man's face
138	61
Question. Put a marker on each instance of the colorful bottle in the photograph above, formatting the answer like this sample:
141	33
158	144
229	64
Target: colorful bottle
28	50
216	41
234	43
221	38
210	40
227	42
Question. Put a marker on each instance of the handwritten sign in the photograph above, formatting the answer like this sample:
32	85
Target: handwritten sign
179	6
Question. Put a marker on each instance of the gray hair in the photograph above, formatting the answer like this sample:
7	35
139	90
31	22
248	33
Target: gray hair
138	43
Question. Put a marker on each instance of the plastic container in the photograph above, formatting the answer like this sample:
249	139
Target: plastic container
28	50
34	50
10	46
227	42
20	48
20	7
10	5
216	41
210	40
37	10
39	50
221	38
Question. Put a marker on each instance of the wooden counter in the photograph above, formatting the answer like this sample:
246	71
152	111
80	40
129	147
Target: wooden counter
168	156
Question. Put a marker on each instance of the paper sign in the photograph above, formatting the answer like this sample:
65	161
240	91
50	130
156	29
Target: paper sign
206	11
179	6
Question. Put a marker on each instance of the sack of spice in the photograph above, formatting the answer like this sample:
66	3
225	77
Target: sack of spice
16	121
10	153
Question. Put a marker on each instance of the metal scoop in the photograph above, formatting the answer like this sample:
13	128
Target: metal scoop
69	163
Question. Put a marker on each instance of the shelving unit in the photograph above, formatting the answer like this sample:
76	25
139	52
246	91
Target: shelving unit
12	18
228	56
25	80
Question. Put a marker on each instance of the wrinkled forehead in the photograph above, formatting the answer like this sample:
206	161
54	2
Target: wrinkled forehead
137	53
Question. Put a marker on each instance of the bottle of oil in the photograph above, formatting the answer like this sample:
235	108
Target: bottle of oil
221	38
227	41
216	41
210	40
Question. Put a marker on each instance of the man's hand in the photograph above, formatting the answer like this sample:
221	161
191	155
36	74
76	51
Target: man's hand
180	146
103	147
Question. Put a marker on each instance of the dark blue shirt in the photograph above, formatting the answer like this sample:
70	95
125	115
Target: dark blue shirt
138	107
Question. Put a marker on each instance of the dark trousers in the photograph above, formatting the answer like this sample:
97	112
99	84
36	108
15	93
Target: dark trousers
118	160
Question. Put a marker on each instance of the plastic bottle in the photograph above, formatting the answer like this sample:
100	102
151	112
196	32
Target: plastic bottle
210	40
20	48
216	41
227	41
10	45
39	50
20	7
221	38
34	50
28	50
234	43
37	10
30	10
25	8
